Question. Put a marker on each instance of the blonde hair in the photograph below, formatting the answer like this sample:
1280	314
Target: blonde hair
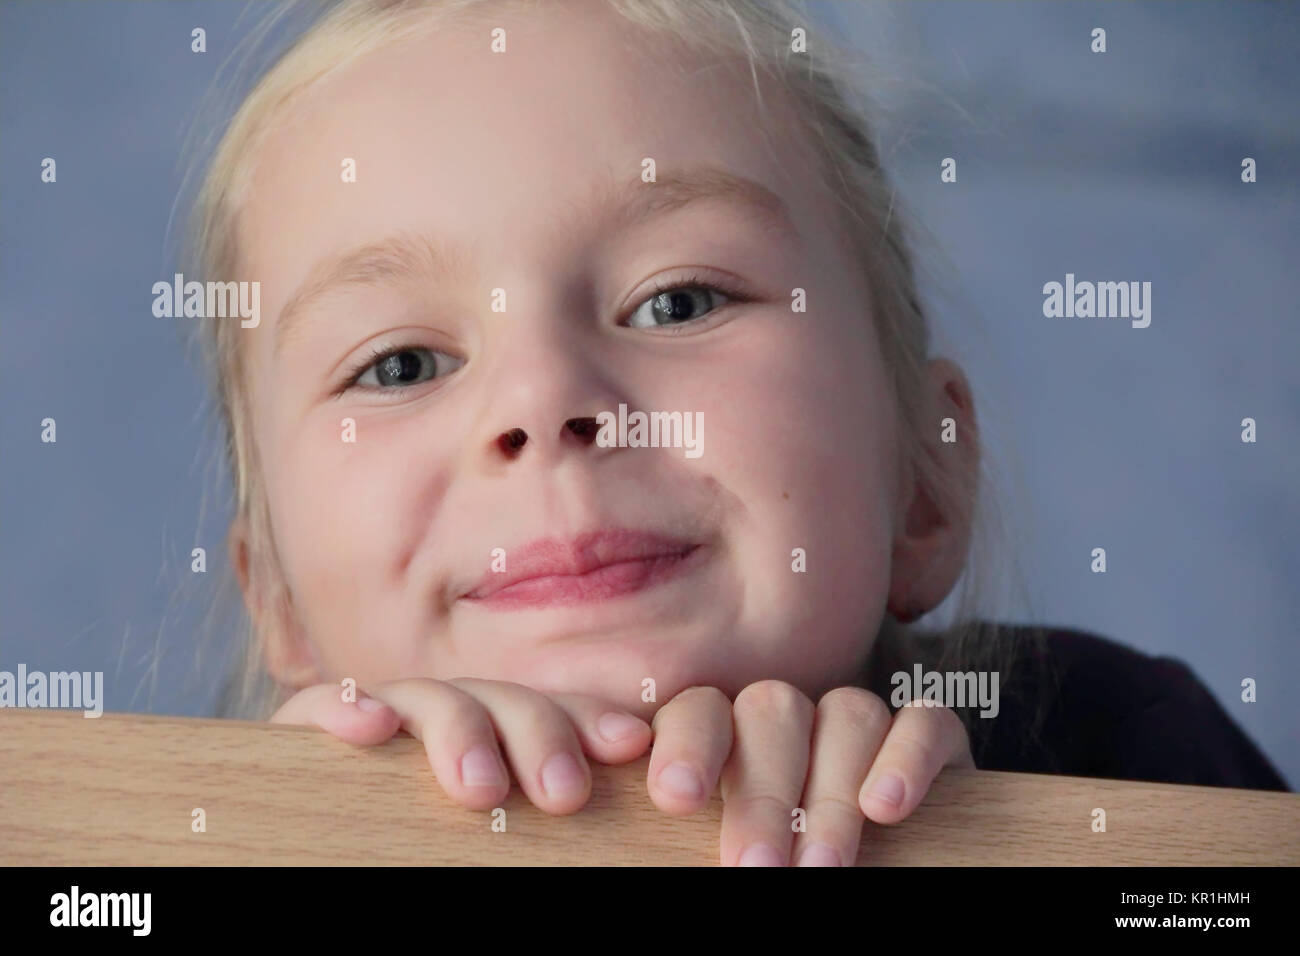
757	31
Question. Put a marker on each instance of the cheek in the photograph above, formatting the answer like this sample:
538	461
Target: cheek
343	520
807	445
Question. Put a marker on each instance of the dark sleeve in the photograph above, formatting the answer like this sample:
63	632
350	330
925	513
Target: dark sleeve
1091	707
1185	736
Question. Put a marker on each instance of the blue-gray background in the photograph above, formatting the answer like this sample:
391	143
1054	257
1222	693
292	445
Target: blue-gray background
1115	166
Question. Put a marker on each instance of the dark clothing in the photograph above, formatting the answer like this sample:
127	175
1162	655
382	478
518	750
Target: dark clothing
1081	705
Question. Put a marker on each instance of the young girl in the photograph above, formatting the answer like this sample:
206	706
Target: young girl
483	232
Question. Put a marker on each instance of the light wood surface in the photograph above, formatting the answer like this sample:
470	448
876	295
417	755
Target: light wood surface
121	789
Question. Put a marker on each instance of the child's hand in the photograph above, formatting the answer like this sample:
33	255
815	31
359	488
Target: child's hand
544	735
790	754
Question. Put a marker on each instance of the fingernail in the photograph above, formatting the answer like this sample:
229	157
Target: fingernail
760	854
889	789
614	727
681	780
369	704
819	854
480	768
562	775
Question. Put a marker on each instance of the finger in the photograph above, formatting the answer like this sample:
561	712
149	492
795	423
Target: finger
459	738
607	733
764	777
692	737
540	743
365	721
849	726
921	742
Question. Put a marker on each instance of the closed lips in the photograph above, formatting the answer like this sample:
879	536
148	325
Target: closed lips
554	558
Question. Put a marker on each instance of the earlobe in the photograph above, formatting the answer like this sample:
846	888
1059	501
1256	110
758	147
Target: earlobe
289	657
287	654
920	567
237	544
932	541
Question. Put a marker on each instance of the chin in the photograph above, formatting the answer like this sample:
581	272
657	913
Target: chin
622	668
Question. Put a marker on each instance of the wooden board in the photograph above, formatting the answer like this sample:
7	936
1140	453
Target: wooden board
121	790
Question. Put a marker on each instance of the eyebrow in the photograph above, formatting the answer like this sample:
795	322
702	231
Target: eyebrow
407	254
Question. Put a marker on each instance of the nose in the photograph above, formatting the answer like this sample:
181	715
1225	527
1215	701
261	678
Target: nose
584	431
549	382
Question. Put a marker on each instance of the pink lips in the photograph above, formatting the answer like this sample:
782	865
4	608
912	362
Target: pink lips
591	567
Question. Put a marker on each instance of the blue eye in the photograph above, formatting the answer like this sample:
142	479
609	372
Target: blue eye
403	367
677	305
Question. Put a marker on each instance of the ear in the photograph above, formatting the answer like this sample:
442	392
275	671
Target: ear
933	535
289	656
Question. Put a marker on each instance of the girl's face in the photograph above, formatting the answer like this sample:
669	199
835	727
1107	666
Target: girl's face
500	237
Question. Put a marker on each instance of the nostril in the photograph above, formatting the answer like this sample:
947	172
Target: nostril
584	428
513	440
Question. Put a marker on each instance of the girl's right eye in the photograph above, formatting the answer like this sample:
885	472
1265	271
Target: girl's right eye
403	367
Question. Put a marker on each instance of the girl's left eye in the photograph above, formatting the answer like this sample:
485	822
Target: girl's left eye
677	305
404	367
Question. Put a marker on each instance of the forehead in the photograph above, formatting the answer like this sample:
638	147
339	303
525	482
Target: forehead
500	150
